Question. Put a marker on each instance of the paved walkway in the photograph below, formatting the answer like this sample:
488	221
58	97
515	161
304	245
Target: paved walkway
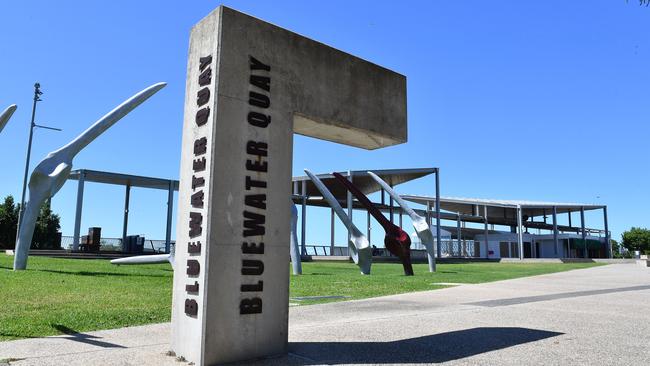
596	316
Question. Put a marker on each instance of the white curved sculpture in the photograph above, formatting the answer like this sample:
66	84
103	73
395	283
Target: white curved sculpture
52	172
360	249
296	264
146	259
6	115
419	223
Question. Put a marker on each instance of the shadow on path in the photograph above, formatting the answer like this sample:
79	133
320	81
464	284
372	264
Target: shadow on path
428	349
566	295
84	338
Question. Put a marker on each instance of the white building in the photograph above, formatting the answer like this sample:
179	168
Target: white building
528	229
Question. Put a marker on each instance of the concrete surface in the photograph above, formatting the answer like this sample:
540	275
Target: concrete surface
250	86
595	316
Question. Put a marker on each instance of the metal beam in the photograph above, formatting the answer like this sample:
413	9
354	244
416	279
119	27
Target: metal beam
303	224
485	230
125	222
608	243
555	239
400	218
390	209
438	234
332	232
369	228
584	233
168	223
459	234
520	234
349	204
77	216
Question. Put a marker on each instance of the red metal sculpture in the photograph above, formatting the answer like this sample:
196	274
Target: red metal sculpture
397	241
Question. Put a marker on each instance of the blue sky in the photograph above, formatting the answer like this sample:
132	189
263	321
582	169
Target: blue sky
539	100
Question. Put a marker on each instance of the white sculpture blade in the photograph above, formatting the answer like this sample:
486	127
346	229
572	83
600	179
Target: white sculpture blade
360	249
6	115
296	263
146	259
52	172
419	223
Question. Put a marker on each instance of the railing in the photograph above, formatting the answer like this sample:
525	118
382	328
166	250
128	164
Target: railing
115	244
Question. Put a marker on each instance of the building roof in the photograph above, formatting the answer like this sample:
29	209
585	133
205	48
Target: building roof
501	210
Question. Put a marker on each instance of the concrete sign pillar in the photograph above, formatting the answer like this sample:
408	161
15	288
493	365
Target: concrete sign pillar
250	86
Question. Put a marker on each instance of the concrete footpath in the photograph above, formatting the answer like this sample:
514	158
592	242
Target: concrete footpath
595	316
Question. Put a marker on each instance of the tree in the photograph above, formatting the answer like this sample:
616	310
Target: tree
46	232
636	239
8	222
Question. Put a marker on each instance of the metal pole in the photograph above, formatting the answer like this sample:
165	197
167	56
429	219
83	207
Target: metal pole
77	216
485	229
349	204
555	239
458	232
332	232
568	242
303	224
438	234
125	225
390	209
520	234
400	218
369	229
170	209
584	233
37	93
608	243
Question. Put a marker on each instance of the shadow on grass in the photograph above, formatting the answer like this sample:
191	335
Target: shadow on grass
84	338
98	273
434	348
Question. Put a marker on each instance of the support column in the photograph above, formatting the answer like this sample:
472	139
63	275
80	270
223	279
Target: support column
608	243
170	210
584	233
438	234
568	245
77	216
125	223
485	231
520	234
400	218
303	224
458	233
555	239
369	228
390	209
349	204
332	231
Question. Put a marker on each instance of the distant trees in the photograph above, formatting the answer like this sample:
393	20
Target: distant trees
46	233
8	222
636	239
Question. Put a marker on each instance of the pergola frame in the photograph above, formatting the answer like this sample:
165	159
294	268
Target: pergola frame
128	181
305	194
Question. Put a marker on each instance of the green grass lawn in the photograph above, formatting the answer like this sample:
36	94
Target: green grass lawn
57	296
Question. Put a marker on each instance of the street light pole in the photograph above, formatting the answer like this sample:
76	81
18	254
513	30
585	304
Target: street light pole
37	94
